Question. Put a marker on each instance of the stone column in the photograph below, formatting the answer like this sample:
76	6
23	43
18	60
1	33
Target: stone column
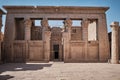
46	39
47	46
44	24
66	39
85	24
27	24
114	47
68	25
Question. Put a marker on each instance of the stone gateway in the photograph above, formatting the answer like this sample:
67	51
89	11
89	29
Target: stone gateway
24	41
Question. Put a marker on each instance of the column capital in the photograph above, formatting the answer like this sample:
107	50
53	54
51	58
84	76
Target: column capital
114	25
44	22
27	23
68	22
86	21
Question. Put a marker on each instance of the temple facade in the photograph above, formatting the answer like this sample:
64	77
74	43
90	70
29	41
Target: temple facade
24	41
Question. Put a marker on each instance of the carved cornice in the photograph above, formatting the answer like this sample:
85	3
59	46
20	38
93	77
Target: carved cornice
54	9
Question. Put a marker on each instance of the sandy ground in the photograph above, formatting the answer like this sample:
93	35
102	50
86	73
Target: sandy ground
59	71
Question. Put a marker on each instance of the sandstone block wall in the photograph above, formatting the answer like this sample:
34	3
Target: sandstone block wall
76	47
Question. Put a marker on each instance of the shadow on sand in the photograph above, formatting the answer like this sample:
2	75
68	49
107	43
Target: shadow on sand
20	67
5	77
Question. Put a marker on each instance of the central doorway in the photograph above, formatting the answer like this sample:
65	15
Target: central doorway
56	51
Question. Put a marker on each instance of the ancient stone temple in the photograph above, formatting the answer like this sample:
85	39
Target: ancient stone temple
24	41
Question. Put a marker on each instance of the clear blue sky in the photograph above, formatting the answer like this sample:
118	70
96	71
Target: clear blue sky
113	14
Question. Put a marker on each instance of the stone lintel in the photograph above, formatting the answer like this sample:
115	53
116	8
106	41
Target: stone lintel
55	9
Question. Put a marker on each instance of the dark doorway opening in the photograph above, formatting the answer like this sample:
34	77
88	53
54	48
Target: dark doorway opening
56	55
56	51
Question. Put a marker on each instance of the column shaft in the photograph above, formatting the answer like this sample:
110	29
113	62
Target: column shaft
67	38
114	47
85	36
46	38
27	24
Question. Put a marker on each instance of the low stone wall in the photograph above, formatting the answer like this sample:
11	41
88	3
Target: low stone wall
23	51
78	52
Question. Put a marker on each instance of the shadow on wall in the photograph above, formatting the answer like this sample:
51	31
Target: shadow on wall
20	67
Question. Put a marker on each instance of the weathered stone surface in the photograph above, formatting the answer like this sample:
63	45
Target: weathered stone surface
27	24
115	43
76	43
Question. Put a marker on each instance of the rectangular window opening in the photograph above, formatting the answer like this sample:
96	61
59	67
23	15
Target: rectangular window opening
92	30
37	23
56	23
19	29
76	23
36	29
